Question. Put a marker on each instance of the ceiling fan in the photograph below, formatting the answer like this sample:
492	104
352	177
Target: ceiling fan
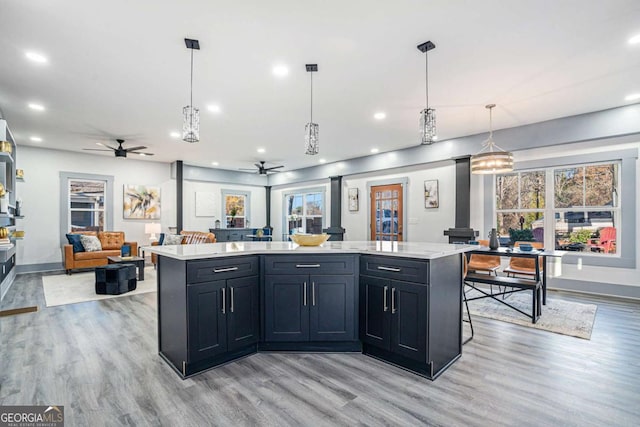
120	151
262	170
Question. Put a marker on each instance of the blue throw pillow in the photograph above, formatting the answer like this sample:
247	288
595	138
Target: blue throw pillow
74	239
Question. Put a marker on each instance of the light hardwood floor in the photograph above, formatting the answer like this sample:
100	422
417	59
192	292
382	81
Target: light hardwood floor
99	359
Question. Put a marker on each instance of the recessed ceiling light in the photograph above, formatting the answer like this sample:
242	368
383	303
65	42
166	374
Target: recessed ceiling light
214	108
635	39
36	139
374	150
261	150
632	97
36	57
174	135
322	161
281	71
215	163
36	107
380	116
435	137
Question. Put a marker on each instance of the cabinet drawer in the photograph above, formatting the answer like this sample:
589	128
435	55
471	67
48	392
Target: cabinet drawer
220	269
309	264
395	268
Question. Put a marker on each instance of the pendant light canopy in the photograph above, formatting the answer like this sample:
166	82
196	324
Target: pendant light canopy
311	130
428	115
190	114
491	159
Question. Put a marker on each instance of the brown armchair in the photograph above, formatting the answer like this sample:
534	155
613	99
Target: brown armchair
111	241
189	238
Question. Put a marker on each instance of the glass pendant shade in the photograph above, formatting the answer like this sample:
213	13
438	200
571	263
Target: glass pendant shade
428	126
492	162
190	124
311	139
491	159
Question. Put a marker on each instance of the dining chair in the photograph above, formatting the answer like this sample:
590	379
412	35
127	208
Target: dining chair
524	266
484	263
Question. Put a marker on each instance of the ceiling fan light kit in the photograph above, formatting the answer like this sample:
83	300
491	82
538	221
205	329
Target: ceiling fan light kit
491	159
311	130
428	115
190	114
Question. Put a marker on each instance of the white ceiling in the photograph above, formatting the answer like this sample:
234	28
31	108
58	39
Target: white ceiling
120	69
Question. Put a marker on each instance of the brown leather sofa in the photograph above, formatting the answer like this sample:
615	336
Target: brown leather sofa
111	242
190	238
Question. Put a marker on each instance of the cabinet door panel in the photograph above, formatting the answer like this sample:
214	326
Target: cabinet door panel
409	320
286	308
332	311
374	311
243	314
207	327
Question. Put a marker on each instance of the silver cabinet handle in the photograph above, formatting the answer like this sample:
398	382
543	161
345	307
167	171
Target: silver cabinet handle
307	265
224	301
385	307
395	270
231	307
393	300
304	294
224	270
313	293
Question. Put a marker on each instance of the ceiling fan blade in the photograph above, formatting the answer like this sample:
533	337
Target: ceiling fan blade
274	167
247	169
94	149
139	147
105	145
143	154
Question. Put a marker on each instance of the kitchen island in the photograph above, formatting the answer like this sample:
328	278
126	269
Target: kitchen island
400	302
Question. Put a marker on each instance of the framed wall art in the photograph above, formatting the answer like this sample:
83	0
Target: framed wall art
354	203
431	194
141	202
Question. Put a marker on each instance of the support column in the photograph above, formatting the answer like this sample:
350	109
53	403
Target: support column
179	204
463	192
335	230
267	189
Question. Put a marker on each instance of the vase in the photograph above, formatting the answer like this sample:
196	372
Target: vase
493	239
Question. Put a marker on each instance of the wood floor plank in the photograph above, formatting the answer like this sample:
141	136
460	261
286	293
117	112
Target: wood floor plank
100	360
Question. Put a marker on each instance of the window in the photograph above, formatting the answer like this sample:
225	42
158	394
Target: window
86	205
585	207
304	212
236	209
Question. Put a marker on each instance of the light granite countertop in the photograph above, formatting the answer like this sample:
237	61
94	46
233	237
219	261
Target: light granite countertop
417	250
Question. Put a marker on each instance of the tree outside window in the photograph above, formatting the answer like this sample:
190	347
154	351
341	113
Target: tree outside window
235	211
304	212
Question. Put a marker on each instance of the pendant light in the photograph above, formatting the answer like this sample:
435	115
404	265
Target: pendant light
190	114
311	130
491	159
428	115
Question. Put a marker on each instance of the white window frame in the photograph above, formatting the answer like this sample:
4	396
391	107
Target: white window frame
96	211
247	206
627	189
65	200
304	216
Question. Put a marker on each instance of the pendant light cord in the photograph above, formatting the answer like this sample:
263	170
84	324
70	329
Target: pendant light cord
426	91
311	75
191	93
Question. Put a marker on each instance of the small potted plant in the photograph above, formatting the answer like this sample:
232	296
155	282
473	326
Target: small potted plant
233	212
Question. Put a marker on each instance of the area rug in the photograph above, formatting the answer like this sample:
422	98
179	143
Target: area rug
62	289
562	317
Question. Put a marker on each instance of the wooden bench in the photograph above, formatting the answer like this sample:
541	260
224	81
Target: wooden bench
534	286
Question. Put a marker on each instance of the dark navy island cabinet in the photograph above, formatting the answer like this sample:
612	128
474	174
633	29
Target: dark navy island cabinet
311	301
398	321
405	311
222	309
